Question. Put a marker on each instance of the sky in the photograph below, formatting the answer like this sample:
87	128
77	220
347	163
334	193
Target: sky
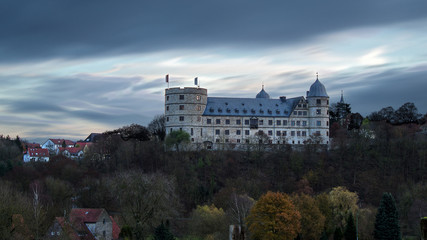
72	67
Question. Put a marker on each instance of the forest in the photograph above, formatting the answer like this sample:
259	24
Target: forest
199	194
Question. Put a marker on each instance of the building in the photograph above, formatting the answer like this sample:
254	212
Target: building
84	223
219	121
53	144
36	154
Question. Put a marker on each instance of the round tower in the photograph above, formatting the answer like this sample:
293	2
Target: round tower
318	105
184	108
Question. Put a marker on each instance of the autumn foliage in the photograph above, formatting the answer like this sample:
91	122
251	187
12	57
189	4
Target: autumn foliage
274	217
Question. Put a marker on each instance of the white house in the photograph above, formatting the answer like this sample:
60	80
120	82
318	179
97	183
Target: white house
53	144
36	154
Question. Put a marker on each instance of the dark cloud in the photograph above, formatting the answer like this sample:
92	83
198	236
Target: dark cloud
67	29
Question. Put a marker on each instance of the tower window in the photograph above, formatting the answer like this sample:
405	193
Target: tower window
319	123
167	98
198	98
192	132
292	133
217	131
278	122
167	119
208	121
167	108
270	132
227	121
237	132
181	118
247	122
238	122
318	111
298	123
285	122
246	132
218	121
199	108
227	132
277	133
270	122
181	97
181	107
318	101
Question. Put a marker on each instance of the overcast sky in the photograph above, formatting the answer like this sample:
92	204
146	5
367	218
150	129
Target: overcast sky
72	67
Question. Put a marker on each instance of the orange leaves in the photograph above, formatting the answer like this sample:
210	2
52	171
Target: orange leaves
274	217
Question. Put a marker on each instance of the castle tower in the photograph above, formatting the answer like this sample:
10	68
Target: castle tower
318	104
183	110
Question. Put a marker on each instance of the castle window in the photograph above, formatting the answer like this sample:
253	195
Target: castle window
198	98
227	121
261	111
192	139
167	119
226	140
217	140
277	133
247	140
167	108
211	110
327	102
236	110
253	110
285	122
228	110
261	122
299	105
167	98
181	97
269	111
284	133
238	122
298	133
304	105
208	121
237	132
227	132
199	118
201	132
238	140
298	123
270	122
319	123
181	118
199	108
217	131
327	123
304	133
181	107
270	132
304	123
277	112
292	133
299	113
247	122
254	123
219	109
317	133
246	132
318	101
192	132
292	123
327	133
304	113
218	121
318	111
245	111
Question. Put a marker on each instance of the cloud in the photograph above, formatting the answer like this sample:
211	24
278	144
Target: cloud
69	29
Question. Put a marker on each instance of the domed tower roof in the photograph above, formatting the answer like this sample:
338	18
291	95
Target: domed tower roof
317	89
263	94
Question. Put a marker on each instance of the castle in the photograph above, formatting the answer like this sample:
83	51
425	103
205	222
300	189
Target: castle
218	121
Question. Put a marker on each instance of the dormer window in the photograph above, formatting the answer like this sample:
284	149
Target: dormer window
261	111
228	110
253	110
219	109
244	110
269	111
236	110
211	110
277	112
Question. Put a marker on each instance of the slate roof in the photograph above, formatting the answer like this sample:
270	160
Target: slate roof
317	89
262	94
250	107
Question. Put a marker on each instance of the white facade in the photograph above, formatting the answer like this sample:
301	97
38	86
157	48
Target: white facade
213	122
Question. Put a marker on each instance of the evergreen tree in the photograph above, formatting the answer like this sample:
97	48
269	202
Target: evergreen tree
387	220
162	233
338	234
350	230
324	235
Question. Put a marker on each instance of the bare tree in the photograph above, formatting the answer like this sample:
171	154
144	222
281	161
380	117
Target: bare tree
157	127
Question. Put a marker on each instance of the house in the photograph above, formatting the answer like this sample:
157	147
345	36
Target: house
72	152
36	154
93	137
53	144
32	145
83	145
85	224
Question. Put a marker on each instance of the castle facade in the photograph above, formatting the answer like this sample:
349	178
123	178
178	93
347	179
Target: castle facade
235	122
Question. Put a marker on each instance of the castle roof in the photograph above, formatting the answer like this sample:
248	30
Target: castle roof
257	107
317	89
262	94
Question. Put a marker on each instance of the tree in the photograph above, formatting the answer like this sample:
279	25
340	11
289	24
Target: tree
387	220
176	139
350	230
162	233
312	220
134	131
208	222
145	200
274	217
343	202
157	127
407	113
338	234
